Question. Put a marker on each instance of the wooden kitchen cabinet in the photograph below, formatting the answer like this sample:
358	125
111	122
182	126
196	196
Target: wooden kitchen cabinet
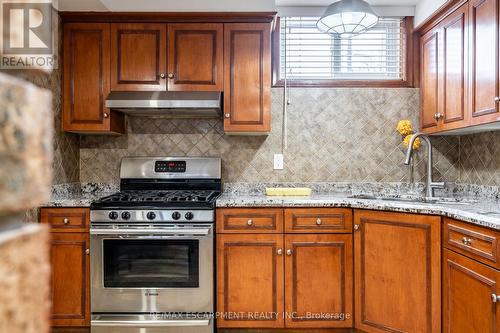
249	220
318	281
138	56
70	260
468	295
397	272
86	80
444	61
250	280
484	68
247	78
195	54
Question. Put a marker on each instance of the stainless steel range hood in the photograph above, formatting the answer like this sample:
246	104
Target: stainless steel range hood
175	104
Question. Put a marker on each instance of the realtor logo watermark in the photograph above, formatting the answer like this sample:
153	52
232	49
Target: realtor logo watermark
27	38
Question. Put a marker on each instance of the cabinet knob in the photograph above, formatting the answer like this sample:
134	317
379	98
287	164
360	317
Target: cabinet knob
318	221
494	298
497	99
279	252
466	241
106	115
65	220
227	115
162	75
250	222
438	116
87	251
171	75
356	227
289	252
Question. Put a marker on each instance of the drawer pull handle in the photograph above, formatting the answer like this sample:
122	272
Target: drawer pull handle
250	222
494	298
318	221
466	241
65	220
279	252
289	252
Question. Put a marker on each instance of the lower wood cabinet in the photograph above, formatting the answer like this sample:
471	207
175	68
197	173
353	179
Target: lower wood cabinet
397	272
276	281
318	281
70	249
250	290
470	292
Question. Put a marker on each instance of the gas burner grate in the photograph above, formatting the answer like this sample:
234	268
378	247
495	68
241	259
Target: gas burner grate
160	196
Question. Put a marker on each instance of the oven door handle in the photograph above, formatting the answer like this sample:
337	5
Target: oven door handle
149	323
151	231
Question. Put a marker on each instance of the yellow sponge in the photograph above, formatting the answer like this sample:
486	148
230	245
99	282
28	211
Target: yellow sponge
288	191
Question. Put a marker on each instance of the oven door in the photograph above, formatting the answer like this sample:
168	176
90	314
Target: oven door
151	268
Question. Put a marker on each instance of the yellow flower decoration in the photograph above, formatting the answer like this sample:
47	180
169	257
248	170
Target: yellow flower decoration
416	144
404	127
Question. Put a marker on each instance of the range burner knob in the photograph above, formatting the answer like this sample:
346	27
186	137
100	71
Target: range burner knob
151	215
113	215
126	215
189	216
176	215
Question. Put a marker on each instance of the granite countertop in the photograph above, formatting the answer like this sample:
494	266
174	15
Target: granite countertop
484	213
465	202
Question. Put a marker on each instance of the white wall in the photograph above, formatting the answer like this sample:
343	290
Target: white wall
425	8
166	5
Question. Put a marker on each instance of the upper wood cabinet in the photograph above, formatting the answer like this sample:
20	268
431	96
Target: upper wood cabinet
484	67
469	287
86	84
460	70
318	281
138	56
195	54
397	275
444	83
247	78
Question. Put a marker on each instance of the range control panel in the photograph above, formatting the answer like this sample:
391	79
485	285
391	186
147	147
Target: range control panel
170	166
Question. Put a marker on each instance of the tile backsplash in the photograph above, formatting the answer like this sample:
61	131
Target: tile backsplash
480	159
335	135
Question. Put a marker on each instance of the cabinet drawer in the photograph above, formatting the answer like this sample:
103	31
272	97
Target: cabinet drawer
472	241
255	220
318	220
66	219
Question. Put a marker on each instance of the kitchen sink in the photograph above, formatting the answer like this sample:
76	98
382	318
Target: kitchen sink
436	201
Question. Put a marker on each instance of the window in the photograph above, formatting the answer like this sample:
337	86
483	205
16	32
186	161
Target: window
309	56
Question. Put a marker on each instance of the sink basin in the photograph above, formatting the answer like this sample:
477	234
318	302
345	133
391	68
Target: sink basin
436	201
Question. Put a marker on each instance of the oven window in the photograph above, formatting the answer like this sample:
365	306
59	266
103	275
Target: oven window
150	263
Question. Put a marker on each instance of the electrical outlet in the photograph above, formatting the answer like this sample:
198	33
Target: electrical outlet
278	162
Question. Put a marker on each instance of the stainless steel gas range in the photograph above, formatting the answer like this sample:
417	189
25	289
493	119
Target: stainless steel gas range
152	248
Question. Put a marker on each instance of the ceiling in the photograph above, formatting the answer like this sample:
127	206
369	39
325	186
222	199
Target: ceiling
327	2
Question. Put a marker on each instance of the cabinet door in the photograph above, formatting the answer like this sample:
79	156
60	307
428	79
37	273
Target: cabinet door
397	272
247	78
454	70
250	280
484	70
138	56
429	85
468	286
86	79
318	281
70	279
195	54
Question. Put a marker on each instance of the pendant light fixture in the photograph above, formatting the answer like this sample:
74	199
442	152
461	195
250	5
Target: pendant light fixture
347	18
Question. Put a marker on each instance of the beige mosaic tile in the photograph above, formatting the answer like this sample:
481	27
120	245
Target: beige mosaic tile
332	134
480	159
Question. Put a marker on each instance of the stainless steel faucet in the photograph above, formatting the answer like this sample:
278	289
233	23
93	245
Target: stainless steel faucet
430	185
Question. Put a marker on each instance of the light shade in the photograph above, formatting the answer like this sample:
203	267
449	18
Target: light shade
347	18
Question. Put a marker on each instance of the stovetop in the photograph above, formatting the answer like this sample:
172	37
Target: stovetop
158	199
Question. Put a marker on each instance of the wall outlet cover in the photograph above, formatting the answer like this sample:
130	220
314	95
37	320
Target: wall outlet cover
278	162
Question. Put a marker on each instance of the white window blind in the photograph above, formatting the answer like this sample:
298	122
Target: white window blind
308	54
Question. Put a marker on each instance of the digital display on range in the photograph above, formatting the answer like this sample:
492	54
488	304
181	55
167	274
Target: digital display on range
170	166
